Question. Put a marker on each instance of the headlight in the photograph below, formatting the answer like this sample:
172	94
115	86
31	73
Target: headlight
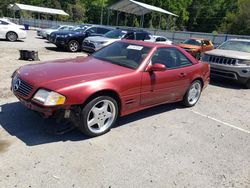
101	42
244	62
61	36
48	98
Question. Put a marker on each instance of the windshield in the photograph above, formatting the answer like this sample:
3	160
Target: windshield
123	54
80	29
242	46
115	34
55	27
192	42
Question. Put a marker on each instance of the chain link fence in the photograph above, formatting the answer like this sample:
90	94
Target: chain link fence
175	36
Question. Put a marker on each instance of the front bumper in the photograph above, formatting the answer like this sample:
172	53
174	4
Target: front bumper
234	72
91	46
58	41
22	35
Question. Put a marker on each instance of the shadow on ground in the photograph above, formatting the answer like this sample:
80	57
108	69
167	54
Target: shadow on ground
55	49
32	129
5	40
230	84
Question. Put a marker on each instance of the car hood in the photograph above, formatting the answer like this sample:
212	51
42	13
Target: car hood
229	53
101	39
63	73
188	46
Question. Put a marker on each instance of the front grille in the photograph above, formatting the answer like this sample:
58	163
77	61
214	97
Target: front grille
222	60
21	87
89	44
223	73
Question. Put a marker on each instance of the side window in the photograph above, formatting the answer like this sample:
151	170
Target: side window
3	23
129	35
170	57
159	39
102	30
206	42
142	36
92	30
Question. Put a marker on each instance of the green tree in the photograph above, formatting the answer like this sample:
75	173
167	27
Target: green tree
238	22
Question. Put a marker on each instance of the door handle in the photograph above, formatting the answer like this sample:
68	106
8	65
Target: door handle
182	75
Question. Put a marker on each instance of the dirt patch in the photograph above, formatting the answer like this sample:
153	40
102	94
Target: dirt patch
4	145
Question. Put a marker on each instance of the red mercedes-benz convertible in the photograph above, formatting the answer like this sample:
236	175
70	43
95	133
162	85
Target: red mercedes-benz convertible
122	78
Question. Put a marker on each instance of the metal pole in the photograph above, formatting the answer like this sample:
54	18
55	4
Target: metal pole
117	15
159	23
125	23
101	14
108	16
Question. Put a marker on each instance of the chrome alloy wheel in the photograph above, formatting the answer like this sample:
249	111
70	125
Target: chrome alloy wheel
73	46
11	36
194	93
101	116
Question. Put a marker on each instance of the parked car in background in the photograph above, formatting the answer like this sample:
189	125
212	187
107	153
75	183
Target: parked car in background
72	40
11	31
196	46
231	60
44	32
122	78
91	44
161	39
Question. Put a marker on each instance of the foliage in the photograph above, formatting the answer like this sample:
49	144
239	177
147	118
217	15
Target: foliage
238	22
229	16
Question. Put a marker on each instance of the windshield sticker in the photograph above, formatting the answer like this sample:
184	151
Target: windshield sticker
134	47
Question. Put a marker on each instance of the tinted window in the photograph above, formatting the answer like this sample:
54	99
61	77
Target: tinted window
192	42
130	36
159	39
171	58
91	30
115	34
102	30
3	22
123	54
206	42
142	36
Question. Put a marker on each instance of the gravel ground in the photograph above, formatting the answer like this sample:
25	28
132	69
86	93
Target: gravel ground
167	146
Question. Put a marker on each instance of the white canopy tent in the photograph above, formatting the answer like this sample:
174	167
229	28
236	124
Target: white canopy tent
137	8
37	9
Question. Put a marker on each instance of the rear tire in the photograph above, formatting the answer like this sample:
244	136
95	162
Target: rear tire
11	36
73	46
193	94
98	116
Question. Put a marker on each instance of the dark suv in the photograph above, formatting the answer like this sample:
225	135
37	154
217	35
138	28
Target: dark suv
72	40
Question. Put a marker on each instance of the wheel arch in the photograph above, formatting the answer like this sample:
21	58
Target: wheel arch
200	79
13	32
105	92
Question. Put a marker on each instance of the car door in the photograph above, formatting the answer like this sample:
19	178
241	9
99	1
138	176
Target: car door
169	85
3	29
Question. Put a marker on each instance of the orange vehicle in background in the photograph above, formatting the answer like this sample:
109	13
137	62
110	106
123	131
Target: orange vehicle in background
196	46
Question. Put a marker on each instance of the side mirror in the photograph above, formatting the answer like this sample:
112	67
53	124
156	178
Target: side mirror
156	67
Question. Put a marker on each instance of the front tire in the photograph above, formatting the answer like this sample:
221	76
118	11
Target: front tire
98	116
11	36
73	46
193	94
